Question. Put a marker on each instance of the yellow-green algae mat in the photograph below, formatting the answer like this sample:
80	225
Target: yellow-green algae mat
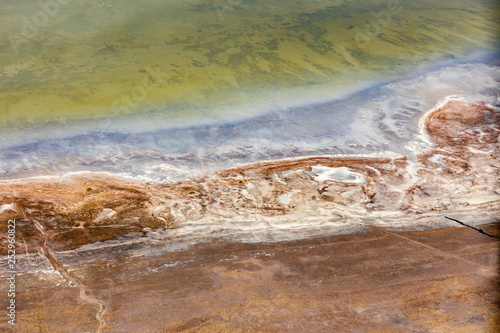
68	60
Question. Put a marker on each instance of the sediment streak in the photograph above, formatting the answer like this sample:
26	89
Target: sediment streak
71	279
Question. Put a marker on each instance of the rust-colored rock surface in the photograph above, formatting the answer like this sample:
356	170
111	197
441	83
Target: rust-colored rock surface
459	123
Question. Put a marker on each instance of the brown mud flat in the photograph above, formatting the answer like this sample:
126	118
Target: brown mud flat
443	280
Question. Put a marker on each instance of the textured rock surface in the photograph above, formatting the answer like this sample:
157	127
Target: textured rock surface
115	241
458	175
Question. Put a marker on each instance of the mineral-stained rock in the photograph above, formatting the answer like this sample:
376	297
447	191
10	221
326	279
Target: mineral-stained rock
459	123
89	219
455	175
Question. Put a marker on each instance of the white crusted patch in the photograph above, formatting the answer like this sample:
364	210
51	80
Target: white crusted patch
287	197
437	158
7	207
322	173
106	213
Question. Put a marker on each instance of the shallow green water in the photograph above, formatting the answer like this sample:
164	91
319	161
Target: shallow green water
186	59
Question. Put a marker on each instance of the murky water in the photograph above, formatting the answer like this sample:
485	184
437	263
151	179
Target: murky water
72	60
121	67
382	120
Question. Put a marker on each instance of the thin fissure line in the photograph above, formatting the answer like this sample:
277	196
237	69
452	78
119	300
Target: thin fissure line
481	231
441	252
